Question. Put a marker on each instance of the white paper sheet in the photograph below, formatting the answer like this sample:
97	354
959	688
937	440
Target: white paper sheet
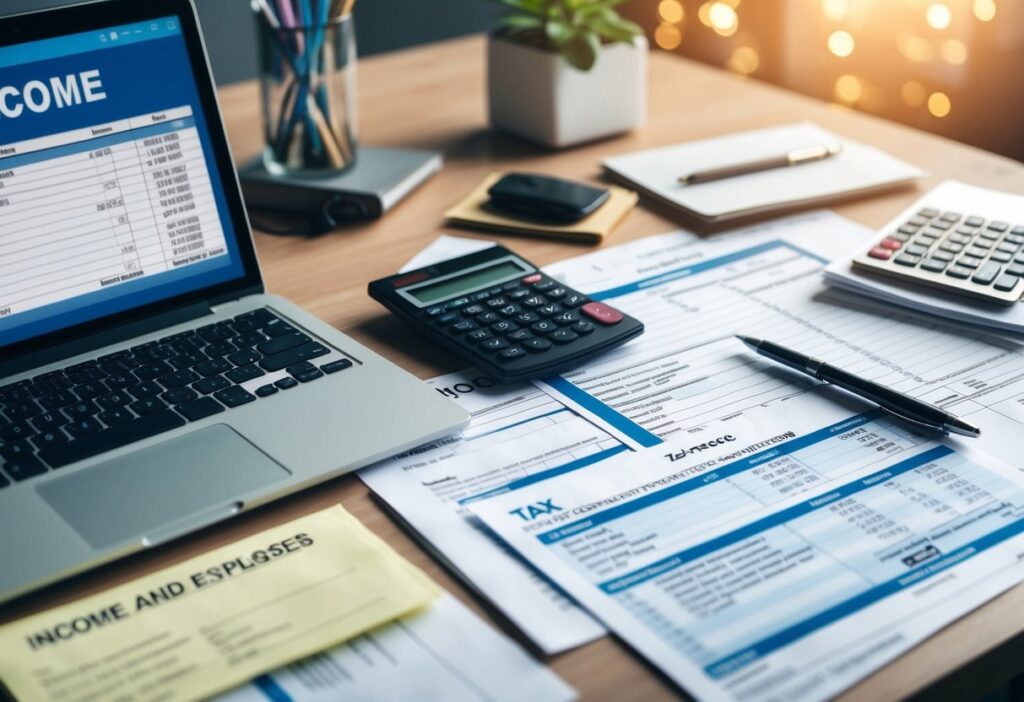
783	563
445	653
444	247
517	434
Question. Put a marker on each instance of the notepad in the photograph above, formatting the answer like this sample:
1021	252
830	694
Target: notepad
858	169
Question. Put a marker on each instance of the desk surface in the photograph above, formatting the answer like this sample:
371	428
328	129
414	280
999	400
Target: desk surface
433	97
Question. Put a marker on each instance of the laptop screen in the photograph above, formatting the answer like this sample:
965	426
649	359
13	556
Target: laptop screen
110	197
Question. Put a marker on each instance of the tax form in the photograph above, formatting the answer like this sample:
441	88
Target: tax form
783	564
443	653
517	435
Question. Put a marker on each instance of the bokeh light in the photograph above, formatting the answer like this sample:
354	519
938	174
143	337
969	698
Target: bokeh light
667	36
938	16
848	88
985	10
671	11
744	60
939	104
841	43
954	51
915	48
835	10
913	93
723	18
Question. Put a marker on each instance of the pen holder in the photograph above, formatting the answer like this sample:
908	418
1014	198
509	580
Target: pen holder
308	82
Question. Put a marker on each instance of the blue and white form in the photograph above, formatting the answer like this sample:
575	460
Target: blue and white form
108	192
785	568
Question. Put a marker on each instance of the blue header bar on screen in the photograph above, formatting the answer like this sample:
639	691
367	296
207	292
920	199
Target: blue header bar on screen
109	38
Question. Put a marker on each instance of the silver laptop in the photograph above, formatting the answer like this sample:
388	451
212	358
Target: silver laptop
148	386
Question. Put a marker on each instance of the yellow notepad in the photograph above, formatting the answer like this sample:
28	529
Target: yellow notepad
472	212
216	620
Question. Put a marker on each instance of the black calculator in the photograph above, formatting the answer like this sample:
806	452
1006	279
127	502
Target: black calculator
503	315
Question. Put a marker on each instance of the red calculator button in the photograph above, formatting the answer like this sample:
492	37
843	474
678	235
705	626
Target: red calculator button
531	279
602	313
880	253
890	244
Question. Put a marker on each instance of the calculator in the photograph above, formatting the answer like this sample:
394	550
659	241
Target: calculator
961	251
503	315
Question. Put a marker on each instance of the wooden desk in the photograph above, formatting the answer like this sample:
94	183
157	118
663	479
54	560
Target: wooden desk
433	97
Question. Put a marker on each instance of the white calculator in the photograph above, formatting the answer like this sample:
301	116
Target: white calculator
958	238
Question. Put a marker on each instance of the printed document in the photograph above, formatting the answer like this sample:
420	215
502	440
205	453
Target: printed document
517	435
801	548
443	653
217	620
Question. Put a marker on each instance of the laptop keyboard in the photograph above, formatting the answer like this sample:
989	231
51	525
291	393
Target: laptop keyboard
71	414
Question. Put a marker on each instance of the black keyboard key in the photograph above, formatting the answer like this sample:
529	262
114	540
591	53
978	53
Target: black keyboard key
200	409
15	431
48	420
511	354
284	359
986	274
177	396
178	379
21	393
211	384
563	336
335	366
234	396
147	405
266	390
282	343
120	381
113	400
114	417
83	427
308	375
215	366
24	468
244	357
300	367
1006	282
85	408
583	328
215	332
243	326
109	439
22	410
14	450
188	359
145	389
244	373
50	437
286	383
277	327
152	371
218	349
537	345
258	316
248	339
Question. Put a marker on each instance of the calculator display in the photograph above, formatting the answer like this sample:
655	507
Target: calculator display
441	290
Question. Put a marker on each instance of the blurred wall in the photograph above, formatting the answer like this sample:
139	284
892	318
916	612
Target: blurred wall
381	25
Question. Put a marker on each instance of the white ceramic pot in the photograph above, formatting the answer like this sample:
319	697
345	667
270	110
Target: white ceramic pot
537	95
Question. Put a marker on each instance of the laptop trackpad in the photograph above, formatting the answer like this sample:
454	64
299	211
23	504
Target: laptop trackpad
148	491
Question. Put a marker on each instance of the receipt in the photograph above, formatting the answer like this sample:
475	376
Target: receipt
216	620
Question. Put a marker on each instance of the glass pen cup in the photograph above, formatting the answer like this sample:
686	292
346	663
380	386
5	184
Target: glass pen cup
308	85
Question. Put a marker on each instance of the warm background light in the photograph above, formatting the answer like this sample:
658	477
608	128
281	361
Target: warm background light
723	18
671	11
938	104
848	88
938	16
954	51
835	10
913	93
744	60
840	43
985	10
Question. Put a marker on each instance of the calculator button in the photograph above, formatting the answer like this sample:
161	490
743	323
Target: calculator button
1018	231
473	310
504	326
1006	282
549	310
915	250
974	221
951	216
960	272
602	312
908	260
495	291
537	345
920	220
544	285
519	335
925	239
535	301
563	336
496	302
583	328
532	278
518	294
998	226
563	319
907	229
988	234
555	293
573	300
1016	269
951	247
434	311
982	244
928	212
940	224
1008	247
495	344
934	265
511	353
527	317
1001	257
986	274
968	231
880	253
507	287
1014	239
890	243
942	256
479	335
460	302
481	296
509	310
969	261
449	318
488	318
464	326
544	327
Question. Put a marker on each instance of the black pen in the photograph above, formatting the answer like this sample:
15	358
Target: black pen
899	405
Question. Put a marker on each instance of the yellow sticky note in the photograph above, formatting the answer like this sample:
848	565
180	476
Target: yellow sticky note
216	620
473	211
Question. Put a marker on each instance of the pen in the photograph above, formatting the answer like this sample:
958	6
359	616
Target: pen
897	404
793	158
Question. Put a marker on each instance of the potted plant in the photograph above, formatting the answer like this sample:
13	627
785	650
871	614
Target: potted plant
561	72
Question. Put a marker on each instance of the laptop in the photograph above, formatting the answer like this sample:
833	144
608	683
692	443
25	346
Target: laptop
148	385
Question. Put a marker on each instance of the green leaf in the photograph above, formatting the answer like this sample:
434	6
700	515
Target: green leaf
581	50
518	23
558	32
618	29
533	7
